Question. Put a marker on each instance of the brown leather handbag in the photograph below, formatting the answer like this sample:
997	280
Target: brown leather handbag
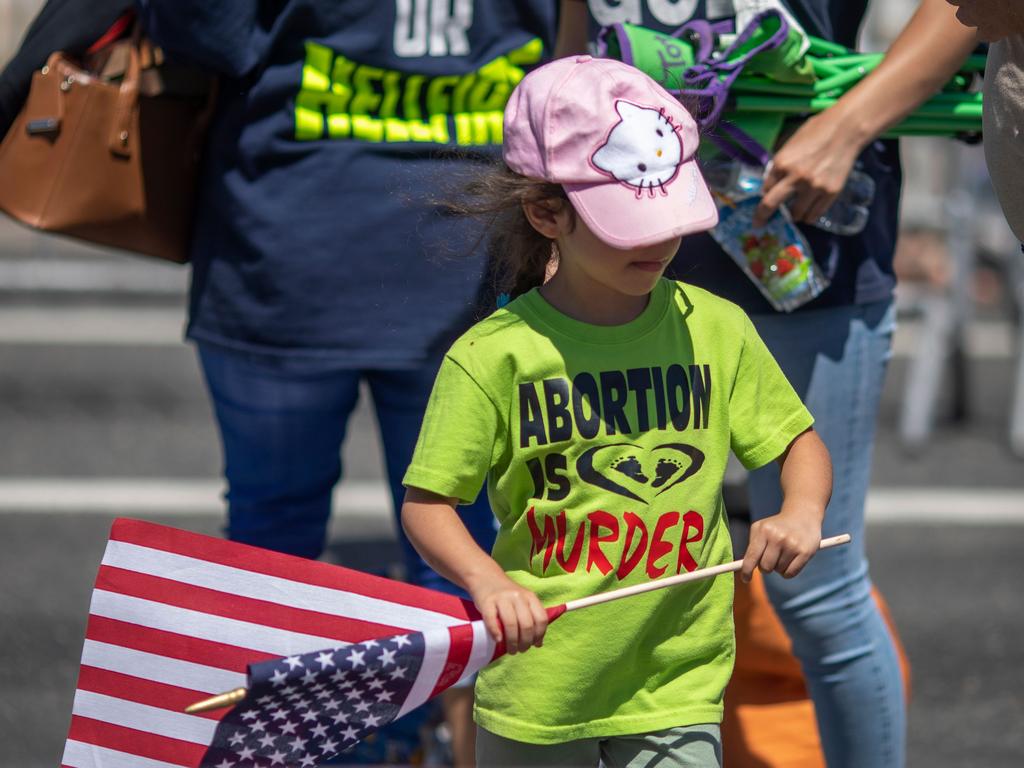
105	151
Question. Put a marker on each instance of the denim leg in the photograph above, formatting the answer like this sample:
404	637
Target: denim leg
282	434
400	398
836	360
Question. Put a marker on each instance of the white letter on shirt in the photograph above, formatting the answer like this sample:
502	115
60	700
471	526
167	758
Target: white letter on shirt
672	11
410	30
616	11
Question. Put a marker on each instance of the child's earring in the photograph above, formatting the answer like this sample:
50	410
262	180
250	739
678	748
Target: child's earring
552	265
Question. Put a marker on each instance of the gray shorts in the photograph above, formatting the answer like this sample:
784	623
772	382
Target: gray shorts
689	746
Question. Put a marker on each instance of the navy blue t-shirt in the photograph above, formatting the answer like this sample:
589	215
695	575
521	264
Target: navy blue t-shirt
317	239
860	267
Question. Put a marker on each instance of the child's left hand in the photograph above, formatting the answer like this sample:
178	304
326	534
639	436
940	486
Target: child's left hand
783	543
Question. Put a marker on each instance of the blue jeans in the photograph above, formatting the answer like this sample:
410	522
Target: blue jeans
282	431
836	360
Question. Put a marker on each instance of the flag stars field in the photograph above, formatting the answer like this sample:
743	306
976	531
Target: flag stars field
363	702
191	616
325	660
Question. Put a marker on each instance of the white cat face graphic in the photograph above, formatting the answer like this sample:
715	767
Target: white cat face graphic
643	150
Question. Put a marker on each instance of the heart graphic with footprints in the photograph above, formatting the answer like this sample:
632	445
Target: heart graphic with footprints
636	472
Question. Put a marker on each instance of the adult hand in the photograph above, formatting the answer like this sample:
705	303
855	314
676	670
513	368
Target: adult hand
810	169
995	19
510	611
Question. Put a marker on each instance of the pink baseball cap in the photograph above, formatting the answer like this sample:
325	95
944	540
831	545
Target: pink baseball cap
623	148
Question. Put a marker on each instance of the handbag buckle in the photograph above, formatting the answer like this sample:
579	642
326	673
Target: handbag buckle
42	126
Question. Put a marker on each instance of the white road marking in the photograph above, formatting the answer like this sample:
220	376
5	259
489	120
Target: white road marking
163	327
140	327
82	275
365	507
952	506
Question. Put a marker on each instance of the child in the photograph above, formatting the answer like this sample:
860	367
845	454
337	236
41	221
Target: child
601	407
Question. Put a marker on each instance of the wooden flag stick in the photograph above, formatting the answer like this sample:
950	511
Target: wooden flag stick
683	578
233	697
216	702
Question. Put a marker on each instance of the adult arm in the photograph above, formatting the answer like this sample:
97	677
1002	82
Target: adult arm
993	19
786	541
811	168
509	610
226	36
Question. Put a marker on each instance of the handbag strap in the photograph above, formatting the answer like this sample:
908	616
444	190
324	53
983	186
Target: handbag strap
44	112
121	140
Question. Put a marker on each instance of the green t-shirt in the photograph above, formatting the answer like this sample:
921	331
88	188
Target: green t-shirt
604	450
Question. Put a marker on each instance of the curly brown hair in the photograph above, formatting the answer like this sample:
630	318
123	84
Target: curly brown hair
496	194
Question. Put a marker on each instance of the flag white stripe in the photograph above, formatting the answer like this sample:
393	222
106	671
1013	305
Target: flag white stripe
159	669
483	649
224	578
142	717
436	643
77	754
170	618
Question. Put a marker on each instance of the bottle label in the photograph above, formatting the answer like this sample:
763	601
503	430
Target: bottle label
776	257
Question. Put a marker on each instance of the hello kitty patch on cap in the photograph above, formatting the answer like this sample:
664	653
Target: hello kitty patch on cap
623	148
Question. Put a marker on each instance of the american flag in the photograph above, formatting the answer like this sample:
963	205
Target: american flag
301	710
177	617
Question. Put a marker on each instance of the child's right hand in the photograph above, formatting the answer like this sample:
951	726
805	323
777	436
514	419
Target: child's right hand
506	605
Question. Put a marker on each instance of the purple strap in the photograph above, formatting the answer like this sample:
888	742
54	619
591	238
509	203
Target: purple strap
708	81
738	144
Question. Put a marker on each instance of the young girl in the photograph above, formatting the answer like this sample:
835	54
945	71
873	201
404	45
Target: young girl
601	408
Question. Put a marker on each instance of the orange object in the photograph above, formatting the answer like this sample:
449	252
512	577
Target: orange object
769	719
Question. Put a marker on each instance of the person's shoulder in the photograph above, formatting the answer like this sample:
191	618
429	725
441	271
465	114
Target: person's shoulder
703	306
490	339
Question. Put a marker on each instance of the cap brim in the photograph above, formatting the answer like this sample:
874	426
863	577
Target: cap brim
618	216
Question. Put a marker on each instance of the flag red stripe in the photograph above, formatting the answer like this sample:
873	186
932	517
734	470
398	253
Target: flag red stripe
459	649
135	742
270	563
132	692
171	645
136	689
231	606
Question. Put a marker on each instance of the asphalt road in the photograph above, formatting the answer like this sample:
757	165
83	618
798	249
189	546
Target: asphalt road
121	411
954	592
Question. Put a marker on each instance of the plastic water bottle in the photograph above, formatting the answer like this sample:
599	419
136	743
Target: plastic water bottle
732	179
848	214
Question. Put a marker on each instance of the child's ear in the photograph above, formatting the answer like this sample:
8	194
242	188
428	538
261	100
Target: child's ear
551	218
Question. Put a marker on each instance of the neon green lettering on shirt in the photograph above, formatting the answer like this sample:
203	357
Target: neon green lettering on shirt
341	75
460	93
463	129
366	99
339	125
392	92
310	107
342	99
411	99
438	100
396	130
439	128
487	127
420	131
489	96
529	53
367	128
316	70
